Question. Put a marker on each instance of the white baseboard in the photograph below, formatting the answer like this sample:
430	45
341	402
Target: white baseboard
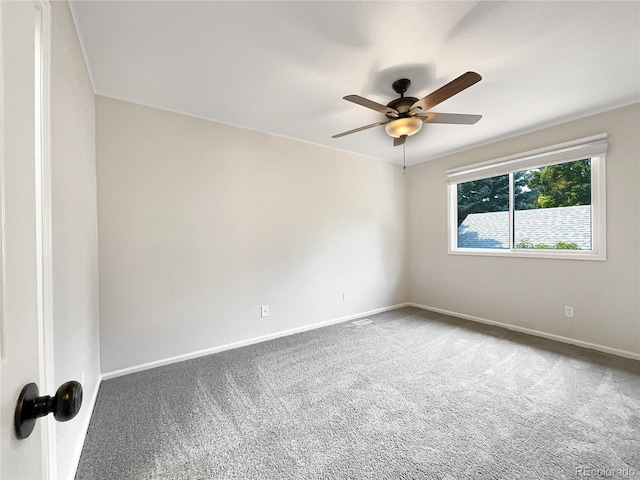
283	333
243	343
87	405
537	333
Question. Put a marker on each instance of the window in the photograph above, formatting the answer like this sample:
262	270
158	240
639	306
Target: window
545	203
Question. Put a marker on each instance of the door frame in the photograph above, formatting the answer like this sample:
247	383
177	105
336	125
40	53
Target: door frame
45	240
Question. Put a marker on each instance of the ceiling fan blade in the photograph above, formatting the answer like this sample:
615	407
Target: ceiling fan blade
365	102
449	90
359	129
453	118
399	141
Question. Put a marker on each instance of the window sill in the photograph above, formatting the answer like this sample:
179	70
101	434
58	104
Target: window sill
525	253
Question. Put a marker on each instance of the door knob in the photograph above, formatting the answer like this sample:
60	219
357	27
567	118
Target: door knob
65	405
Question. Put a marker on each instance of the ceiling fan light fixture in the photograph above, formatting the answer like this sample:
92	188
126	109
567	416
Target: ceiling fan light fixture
403	126
404	116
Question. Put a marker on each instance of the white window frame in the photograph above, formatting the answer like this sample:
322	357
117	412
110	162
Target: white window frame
594	147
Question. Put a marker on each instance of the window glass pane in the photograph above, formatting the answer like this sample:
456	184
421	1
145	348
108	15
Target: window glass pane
553	207
483	213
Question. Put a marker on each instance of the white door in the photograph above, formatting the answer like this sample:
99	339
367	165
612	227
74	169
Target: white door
22	280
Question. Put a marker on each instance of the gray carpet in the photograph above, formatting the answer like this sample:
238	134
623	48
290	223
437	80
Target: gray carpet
412	395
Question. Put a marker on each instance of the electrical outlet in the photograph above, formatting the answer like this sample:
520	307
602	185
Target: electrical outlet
264	311
568	312
345	297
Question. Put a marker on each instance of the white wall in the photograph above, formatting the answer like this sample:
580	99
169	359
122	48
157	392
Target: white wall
532	293
201	223
74	230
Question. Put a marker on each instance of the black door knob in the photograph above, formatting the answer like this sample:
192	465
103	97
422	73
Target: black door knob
65	405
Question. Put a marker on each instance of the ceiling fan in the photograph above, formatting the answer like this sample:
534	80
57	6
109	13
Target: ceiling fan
405	115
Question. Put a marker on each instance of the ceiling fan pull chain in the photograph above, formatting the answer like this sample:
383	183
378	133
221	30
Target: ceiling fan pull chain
404	160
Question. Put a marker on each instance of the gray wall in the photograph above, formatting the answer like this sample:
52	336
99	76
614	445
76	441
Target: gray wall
74	231
532	293
201	223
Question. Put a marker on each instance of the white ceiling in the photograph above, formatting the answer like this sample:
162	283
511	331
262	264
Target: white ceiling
283	67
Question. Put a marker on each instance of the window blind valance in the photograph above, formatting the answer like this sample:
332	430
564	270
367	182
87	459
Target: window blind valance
579	149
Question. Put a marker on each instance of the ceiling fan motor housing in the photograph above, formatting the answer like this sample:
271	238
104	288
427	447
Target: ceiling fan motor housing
402	105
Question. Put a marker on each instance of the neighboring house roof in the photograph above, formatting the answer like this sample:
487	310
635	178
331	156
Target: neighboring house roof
541	225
